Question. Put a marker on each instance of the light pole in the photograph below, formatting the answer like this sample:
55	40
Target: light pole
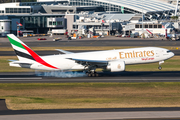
109	7
102	29
75	31
109	27
142	19
17	31
176	7
109	19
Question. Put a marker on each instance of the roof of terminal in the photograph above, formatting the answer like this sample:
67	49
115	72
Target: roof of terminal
148	5
118	16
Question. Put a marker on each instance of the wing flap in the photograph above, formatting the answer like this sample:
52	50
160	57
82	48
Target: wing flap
90	62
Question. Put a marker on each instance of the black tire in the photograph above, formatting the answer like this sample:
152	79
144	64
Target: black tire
97	75
159	67
89	75
93	74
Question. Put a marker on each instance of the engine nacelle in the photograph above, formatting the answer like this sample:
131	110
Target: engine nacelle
116	66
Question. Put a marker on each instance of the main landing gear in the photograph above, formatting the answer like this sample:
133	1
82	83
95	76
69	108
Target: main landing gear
160	62
90	71
92	74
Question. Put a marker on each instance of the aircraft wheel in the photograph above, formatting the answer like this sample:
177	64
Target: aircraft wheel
93	74
89	74
159	67
97	75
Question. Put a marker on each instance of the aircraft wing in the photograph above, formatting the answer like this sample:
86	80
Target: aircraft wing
63	51
89	62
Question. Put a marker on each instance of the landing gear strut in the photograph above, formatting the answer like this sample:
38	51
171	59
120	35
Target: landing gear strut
90	71
160	62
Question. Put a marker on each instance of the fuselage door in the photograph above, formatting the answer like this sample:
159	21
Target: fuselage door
159	53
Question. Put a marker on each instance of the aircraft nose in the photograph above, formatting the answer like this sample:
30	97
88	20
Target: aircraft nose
172	54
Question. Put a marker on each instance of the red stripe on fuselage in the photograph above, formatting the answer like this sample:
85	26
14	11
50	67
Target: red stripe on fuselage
37	58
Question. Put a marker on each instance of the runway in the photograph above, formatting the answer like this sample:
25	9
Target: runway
94	114
162	76
32	42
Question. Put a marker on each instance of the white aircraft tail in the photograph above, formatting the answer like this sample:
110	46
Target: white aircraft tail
24	53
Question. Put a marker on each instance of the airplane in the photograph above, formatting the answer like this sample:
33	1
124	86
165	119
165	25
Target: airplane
113	60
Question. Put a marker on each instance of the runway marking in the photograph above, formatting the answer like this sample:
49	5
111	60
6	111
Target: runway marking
79	80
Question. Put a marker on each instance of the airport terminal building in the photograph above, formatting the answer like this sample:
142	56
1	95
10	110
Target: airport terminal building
152	8
44	15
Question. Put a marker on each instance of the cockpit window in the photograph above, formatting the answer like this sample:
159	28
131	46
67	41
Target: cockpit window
168	51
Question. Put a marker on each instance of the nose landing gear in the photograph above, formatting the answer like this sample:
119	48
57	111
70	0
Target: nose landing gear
160	62
159	67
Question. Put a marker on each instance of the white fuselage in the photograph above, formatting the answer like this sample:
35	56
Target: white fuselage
129	56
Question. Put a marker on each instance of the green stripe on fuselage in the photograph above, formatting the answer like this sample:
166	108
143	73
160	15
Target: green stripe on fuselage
15	43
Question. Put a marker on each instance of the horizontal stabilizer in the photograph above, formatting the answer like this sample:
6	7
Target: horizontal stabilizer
21	62
12	60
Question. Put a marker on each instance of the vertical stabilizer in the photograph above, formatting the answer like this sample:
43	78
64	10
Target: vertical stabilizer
20	48
24	53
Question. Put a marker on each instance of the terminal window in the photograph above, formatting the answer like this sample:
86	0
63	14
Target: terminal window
11	10
15	10
24	10
150	26
59	23
70	10
59	11
7	10
50	23
159	26
18	10
137	26
54	23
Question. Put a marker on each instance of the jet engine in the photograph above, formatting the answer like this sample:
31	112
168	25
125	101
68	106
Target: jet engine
116	66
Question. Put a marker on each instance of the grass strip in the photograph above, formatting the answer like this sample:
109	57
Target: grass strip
21	96
172	64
